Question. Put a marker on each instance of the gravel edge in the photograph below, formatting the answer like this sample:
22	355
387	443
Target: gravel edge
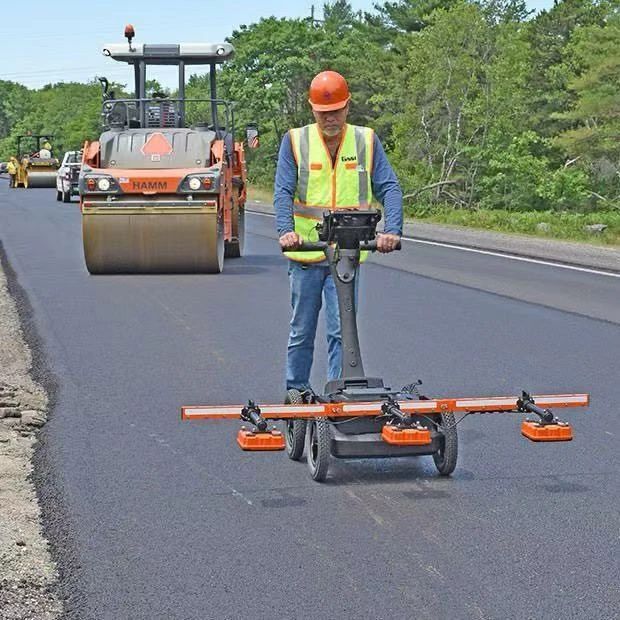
28	576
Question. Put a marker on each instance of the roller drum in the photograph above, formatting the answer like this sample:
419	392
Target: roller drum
153	242
41	178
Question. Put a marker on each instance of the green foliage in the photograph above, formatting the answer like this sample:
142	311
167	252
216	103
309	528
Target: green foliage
462	86
70	111
14	103
410	15
274	64
552	63
521	177
594	117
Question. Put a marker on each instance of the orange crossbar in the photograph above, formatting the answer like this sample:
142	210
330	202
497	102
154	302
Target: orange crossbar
355	409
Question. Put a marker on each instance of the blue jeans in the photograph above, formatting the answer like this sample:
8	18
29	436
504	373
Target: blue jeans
310	285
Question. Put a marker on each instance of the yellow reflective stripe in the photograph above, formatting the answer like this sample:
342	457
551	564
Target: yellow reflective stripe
303	167
360	146
293	134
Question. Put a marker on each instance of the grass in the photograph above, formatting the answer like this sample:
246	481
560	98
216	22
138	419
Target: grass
561	224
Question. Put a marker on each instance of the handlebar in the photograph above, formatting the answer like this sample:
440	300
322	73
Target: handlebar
319	246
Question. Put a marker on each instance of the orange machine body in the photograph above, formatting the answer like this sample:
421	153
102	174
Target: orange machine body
255	441
406	436
160	186
535	431
433	406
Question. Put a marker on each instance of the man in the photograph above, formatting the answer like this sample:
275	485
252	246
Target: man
46	151
326	165
11	168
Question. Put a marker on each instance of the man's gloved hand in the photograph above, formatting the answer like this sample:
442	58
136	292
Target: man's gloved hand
387	242
290	241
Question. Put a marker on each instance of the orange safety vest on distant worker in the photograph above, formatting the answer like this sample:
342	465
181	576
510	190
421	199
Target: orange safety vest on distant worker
323	186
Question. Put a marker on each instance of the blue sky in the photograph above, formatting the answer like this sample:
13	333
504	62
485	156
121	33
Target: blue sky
43	41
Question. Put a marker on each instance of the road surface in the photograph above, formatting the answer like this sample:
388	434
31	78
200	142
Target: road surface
153	518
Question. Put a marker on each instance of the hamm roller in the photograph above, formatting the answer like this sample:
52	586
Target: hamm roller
37	167
163	189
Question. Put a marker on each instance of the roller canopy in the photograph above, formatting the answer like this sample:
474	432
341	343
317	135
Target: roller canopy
171	54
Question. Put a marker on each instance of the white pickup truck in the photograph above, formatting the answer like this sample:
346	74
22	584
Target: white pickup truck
67	177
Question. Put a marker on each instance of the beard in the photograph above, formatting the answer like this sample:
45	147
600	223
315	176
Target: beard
331	132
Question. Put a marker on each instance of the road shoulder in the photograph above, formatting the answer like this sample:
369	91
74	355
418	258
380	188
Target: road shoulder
28	576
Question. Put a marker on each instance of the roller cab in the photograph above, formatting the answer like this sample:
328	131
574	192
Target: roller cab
164	188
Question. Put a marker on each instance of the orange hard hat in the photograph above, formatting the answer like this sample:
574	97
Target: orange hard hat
329	91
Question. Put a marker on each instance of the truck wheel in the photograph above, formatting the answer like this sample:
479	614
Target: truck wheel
66	196
445	458
317	448
58	195
295	433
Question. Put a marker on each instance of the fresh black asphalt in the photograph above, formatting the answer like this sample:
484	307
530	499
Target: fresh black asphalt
150	517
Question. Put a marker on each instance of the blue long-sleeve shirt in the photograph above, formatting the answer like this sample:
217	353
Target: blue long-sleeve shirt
385	188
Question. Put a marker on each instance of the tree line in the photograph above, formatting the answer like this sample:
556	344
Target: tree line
479	104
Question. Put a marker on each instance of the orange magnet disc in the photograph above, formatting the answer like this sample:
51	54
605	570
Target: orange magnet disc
546	432
272	440
405	436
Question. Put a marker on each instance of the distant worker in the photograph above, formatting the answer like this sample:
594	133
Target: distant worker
11	168
328	165
46	151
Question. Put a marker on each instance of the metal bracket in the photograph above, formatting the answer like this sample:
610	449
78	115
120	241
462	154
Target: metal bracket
526	404
251	413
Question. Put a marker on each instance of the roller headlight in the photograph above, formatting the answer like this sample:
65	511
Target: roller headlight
103	185
194	183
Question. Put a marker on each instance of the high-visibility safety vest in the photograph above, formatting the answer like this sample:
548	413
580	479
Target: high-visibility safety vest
323	186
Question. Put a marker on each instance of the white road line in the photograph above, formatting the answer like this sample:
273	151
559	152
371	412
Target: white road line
259	213
514	257
463	248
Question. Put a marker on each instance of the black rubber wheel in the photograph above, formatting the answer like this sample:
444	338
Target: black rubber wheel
66	196
317	448
58	195
445	458
295	431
